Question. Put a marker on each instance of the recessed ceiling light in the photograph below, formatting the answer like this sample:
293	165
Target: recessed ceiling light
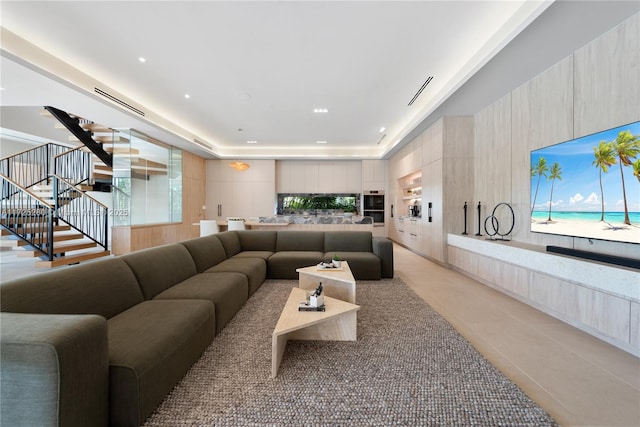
320	110
141	59
382	129
252	142
186	95
321	142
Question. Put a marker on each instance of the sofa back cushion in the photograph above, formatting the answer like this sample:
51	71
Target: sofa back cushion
206	251
159	268
349	241
257	240
300	241
105	287
230	242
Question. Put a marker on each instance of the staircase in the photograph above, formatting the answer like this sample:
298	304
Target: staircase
45	212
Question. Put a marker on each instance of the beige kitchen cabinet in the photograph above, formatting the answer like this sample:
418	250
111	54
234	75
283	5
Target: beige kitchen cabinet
244	194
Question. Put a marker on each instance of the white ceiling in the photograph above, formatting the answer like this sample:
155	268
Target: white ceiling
255	70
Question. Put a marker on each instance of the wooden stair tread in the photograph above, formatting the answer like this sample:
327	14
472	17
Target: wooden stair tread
104	139
26	252
58	249
91	127
140	162
56	238
43	225
9	243
71	259
102	176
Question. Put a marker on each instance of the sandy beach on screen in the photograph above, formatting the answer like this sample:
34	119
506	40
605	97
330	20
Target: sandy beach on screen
597	230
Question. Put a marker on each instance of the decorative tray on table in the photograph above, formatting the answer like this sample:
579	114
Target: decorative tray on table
328	266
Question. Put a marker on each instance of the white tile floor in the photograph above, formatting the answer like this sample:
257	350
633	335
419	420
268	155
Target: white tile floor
578	379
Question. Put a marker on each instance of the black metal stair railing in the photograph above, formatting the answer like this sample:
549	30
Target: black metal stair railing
74	166
26	216
81	211
33	166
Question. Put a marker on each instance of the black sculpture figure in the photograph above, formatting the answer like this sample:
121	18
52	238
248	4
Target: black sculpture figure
318	291
464	233
479	220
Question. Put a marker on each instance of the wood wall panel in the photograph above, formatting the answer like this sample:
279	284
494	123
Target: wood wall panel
542	115
458	175
596	88
607	72
492	148
607	95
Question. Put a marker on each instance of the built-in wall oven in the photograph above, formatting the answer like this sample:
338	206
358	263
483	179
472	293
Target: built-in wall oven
373	206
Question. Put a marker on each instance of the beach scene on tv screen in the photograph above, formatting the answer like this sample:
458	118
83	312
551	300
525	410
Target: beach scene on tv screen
589	187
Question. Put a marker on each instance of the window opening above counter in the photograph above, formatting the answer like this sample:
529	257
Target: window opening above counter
318	204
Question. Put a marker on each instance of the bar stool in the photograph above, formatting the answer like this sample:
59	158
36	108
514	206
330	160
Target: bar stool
235	224
208	226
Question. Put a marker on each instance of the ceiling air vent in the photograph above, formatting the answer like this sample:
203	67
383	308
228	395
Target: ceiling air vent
118	101
381	138
424	85
202	144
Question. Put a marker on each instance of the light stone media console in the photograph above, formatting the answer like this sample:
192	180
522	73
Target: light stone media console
597	298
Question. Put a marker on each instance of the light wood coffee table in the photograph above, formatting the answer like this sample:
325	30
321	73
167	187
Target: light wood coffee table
338	284
336	323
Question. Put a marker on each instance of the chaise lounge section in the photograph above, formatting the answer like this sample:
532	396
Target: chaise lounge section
103	343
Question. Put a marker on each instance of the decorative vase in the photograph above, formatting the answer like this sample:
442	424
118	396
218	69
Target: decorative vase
336	264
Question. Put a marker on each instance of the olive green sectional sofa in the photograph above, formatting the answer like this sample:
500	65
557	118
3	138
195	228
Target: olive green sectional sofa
103	343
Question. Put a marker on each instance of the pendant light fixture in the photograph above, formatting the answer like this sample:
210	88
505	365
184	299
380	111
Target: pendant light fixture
239	166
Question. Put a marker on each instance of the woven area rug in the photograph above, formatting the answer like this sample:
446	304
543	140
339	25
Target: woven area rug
409	367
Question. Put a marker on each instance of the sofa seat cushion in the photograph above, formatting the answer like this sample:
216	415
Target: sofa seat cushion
265	255
283	265
363	265
254	268
151	346
227	291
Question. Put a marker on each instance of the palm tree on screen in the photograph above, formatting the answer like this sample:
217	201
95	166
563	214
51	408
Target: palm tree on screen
626	147
605	157
539	169
554	173
636	169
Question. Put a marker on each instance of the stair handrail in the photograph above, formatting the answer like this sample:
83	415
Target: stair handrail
21	207
13	166
73	165
84	213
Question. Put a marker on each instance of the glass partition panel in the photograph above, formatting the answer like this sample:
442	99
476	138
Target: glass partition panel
147	181
175	184
121	181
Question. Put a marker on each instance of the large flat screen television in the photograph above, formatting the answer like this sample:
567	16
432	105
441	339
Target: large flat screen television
589	187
